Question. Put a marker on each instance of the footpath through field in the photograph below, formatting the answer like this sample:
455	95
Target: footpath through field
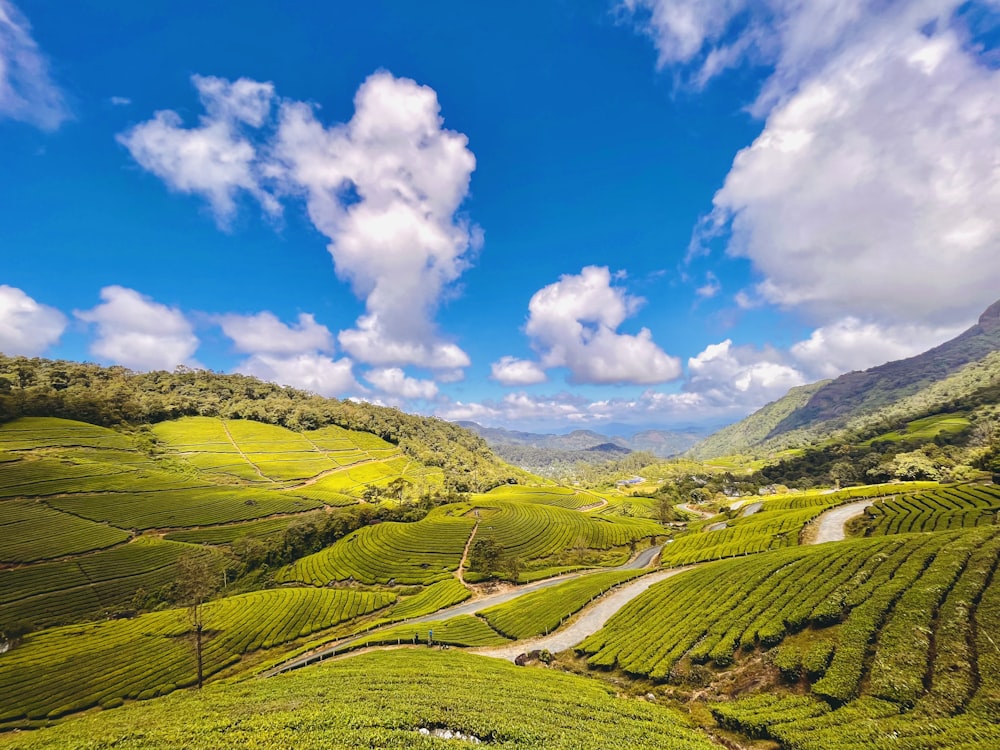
640	561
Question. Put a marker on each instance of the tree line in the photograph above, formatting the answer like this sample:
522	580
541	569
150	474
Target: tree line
115	396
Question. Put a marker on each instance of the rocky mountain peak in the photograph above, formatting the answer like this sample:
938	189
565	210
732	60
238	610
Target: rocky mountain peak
991	318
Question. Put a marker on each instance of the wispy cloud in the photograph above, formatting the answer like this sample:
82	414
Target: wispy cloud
27	91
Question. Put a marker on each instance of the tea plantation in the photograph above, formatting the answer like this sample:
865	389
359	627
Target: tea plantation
330	541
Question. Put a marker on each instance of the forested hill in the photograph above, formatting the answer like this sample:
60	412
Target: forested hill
948	377
109	396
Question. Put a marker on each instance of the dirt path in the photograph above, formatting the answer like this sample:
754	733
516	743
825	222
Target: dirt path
599	502
691	509
593	506
751	509
242	454
460	572
829	526
591	619
338	469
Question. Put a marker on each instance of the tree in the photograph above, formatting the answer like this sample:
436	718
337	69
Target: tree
197	580
512	567
485	556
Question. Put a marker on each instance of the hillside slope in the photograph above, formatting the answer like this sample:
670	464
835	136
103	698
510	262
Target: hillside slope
110	396
815	412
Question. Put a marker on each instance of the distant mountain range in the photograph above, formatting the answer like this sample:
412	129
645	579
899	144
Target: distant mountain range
663	443
960	375
552	454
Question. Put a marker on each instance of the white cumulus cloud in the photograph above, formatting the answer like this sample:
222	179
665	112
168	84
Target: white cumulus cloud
872	192
26	327
574	323
264	333
851	344
743	377
215	160
385	188
27	92
514	371
309	371
136	331
394	382
297	355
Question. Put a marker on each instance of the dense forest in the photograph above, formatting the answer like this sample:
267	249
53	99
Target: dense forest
110	396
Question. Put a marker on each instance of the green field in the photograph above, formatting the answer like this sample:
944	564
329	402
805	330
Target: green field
182	508
543	611
941	509
463	630
383	700
883	640
778	523
89	585
432	598
28	433
31	531
905	620
346	460
537	531
925	429
407	553
72	668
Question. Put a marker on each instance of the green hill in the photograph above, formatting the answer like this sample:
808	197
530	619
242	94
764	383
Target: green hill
109	396
321	540
962	372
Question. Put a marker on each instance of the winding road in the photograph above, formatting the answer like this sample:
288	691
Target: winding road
642	560
829	528
591	619
830	525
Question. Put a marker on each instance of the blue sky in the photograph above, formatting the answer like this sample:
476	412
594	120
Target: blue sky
542	215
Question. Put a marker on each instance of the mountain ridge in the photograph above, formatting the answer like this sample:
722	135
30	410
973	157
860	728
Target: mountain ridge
816	411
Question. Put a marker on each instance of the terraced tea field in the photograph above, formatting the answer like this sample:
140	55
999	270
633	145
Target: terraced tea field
940	509
72	668
406	553
31	531
89	585
543	611
462	630
384	700
903	621
778	523
885	640
532	531
345	461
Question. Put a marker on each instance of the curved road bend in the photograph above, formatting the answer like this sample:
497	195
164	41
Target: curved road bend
590	620
640	561
830	525
593	617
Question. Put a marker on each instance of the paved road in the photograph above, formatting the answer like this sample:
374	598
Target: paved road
830	525
589	621
642	560
691	509
751	509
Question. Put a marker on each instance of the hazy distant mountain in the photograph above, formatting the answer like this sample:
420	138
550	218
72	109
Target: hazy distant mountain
535	450
952	376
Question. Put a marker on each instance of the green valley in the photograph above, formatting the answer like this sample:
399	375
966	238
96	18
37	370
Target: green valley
698	606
